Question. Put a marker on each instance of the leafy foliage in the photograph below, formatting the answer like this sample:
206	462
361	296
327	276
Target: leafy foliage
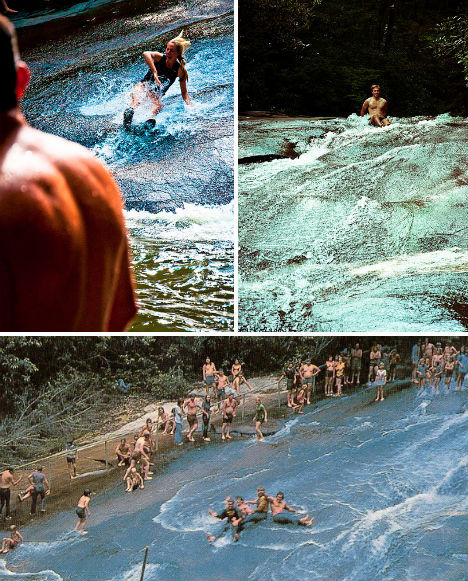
323	61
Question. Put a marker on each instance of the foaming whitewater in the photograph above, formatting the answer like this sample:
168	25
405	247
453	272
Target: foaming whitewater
177	180
387	484
364	230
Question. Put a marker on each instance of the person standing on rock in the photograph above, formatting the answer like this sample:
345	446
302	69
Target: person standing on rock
260	416
206	415
192	407
40	482
209	375
229	413
6	482
290	374
82	511
178	419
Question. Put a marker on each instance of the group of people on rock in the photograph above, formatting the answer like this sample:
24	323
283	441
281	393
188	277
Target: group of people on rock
436	363
241	513
338	371
38	488
221	385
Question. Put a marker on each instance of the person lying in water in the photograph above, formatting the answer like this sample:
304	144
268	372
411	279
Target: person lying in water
233	517
278	507
164	69
377	107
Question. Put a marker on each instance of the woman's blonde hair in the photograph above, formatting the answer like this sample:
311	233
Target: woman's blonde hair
182	45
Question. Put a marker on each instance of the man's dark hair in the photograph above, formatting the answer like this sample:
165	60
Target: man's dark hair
8	57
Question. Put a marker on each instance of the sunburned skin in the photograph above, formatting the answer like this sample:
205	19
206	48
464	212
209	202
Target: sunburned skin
64	264
65	259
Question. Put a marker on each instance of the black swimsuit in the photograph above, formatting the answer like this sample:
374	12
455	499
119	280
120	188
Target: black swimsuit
166	75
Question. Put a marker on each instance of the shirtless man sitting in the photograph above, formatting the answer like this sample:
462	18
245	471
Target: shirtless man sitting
377	108
278	506
65	258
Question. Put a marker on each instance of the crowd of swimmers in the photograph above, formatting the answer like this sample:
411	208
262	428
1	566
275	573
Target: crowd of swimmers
240	513
436	364
338	372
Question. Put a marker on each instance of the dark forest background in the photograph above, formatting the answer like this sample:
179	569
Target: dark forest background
319	57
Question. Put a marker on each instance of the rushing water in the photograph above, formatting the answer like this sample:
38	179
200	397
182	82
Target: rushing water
177	181
364	230
387	484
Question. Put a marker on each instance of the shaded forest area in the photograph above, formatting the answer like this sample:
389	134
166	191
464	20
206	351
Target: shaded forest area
319	57
54	388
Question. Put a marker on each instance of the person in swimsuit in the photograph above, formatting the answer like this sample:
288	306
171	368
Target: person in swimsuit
12	541
209	375
40	482
222	383
243	506
415	356
380	382
421	374
206	415
462	368
437	371
374	360
236	369
163	421
339	374
82	511
229	413
148	428
449	367
240	380
192	408
300	401
163	70
278	506
71	454
260	416
377	107
356	362
122	452
6	482
309	371
290	374
233	517
178	421
329	376
134	481
261	511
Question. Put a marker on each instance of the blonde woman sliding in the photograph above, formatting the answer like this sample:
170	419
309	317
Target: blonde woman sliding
164	69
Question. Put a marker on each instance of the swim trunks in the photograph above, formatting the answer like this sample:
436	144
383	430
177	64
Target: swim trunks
260	413
209	379
191	419
80	511
228	418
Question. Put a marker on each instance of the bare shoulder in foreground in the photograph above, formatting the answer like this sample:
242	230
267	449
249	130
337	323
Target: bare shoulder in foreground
65	260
